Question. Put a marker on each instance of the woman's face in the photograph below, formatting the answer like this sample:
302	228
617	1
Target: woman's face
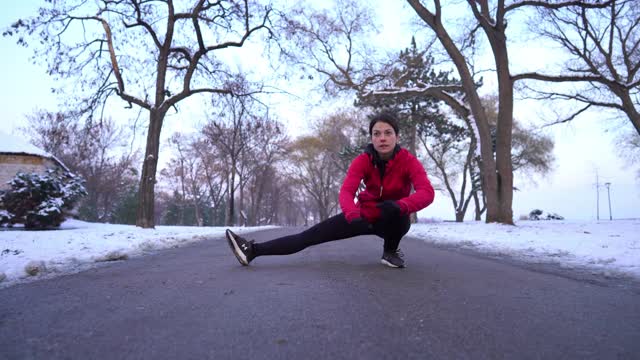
384	139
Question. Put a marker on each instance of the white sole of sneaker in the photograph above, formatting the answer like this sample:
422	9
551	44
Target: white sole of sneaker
385	262
236	249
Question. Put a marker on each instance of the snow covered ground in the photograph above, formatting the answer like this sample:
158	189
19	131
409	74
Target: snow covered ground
611	248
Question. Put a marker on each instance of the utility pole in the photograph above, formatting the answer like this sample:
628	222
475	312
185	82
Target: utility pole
597	196
608	185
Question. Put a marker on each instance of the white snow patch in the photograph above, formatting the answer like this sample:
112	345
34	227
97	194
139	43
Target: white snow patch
605	247
78	244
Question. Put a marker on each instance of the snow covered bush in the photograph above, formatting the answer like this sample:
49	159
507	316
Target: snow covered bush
5	216
40	201
535	214
538	214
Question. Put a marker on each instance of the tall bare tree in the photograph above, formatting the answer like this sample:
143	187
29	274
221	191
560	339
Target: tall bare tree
186	167
603	47
491	18
214	174
229	137
268	146
152	54
345	64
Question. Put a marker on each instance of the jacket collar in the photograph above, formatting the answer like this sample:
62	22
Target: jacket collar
375	157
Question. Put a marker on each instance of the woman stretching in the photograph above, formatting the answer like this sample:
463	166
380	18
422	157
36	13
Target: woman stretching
382	208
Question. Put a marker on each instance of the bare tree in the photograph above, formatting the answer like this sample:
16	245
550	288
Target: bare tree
149	54
329	42
603	45
97	153
318	161
229	140
344	65
186	167
449	147
244	139
214	175
314	171
490	17
267	149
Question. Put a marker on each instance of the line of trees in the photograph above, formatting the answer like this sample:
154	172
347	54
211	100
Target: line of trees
238	168
154	55
346	59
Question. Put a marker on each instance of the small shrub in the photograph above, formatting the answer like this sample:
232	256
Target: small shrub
538	214
554	216
40	201
535	214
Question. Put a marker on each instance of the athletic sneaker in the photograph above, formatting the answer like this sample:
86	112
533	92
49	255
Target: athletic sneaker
242	248
393	259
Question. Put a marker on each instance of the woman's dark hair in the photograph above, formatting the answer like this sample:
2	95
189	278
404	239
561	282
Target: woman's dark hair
385	117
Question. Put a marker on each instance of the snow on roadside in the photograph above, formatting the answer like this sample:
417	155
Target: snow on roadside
610	248
24	254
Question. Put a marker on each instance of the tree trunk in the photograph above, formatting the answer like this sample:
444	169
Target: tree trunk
183	199
198	211
497	197
630	110
241	220
231	203
146	203
504	168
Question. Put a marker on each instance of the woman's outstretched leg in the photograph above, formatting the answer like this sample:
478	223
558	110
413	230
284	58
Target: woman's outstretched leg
334	228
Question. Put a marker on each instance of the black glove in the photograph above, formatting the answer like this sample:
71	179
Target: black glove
360	222
390	209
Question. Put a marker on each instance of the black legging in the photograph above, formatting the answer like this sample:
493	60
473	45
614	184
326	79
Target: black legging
337	228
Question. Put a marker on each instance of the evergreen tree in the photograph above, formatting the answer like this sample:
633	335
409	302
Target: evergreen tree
413	69
125	211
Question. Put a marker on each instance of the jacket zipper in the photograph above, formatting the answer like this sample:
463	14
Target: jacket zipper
381	184
381	178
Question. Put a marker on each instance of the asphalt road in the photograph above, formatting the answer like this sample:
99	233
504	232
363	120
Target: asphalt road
332	301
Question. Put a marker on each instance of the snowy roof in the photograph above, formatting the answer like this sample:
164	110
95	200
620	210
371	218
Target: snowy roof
10	144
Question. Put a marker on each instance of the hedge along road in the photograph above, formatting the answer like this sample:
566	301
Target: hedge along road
332	301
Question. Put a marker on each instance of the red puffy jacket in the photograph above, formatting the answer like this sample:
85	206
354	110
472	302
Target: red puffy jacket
400	173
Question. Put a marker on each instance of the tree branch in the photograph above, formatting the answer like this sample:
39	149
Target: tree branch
557	5
144	24
560	78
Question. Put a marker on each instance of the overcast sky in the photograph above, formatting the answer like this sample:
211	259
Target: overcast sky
582	148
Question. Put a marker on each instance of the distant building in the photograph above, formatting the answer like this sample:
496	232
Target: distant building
17	155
